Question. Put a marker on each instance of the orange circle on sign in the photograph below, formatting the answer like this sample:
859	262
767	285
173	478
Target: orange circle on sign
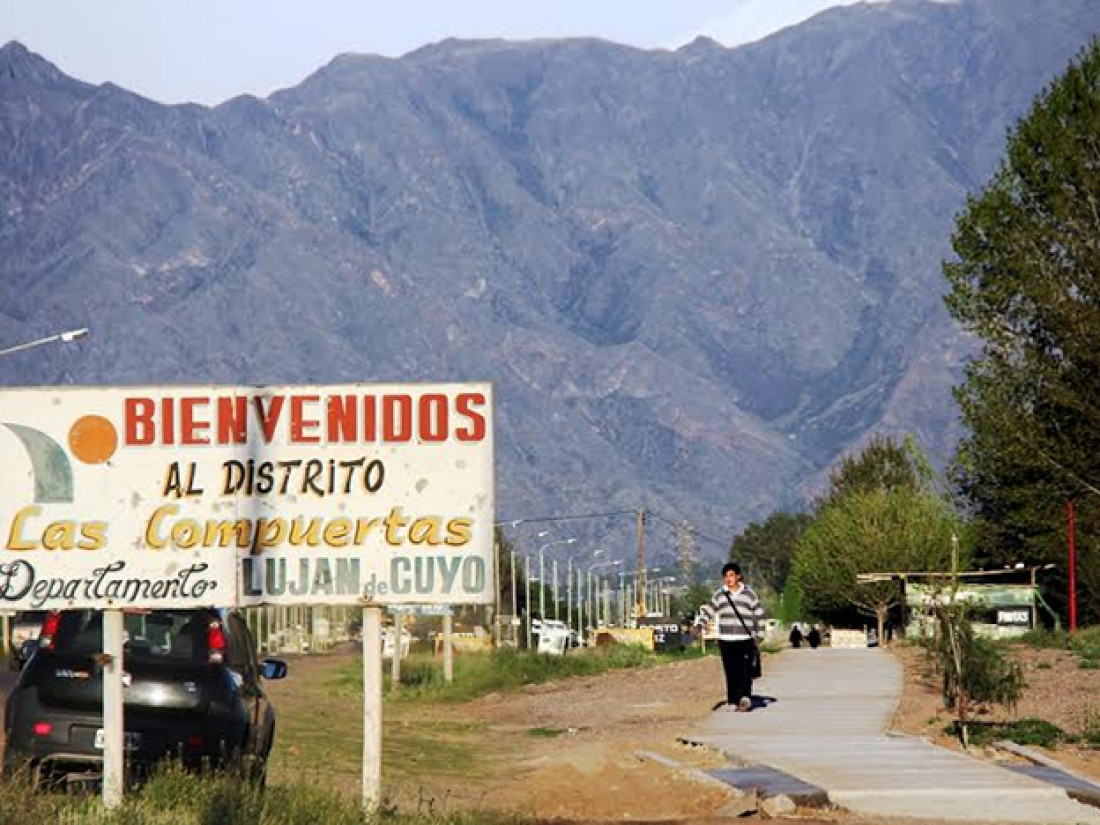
93	439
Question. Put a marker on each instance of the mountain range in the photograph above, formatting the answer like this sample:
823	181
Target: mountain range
695	277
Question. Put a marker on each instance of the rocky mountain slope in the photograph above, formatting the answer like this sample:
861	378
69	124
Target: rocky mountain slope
696	277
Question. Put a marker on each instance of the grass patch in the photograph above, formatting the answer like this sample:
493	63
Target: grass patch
180	798
1023	732
1045	639
1090	727
503	670
319	735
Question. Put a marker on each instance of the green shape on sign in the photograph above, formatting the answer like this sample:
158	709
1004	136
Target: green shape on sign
53	475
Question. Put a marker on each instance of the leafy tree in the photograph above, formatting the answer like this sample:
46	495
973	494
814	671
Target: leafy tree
883	464
687	604
878	531
1026	281
767	549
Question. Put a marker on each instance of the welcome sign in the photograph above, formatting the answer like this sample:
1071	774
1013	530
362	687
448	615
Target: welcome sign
185	496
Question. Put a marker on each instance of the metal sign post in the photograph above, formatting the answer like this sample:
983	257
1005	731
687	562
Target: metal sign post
372	707
113	725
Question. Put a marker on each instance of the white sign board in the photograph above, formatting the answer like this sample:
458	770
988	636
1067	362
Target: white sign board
188	496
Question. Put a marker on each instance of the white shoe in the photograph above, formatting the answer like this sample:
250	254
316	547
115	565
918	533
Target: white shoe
745	705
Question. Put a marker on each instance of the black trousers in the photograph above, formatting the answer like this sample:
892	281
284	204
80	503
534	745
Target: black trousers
737	658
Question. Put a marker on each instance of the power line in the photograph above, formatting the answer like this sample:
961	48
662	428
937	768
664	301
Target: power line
544	519
694	531
612	513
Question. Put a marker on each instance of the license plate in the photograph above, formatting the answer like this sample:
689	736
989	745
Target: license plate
130	740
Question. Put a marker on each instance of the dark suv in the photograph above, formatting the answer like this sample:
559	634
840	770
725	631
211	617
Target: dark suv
192	689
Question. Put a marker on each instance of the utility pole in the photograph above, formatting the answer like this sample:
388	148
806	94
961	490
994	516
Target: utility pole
639	574
569	592
527	600
515	615
557	595
496	587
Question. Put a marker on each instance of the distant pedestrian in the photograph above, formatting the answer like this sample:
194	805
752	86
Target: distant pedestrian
796	636
740	617
814	637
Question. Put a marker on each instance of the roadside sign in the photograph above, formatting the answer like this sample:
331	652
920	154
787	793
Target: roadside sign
186	496
159	497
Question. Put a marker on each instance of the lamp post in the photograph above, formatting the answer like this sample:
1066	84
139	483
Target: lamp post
512	564
66	337
594	593
527	600
542	572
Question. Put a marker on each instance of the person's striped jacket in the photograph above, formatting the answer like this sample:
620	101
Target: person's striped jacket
730	628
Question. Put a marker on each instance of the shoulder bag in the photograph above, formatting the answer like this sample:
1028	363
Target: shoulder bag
757	669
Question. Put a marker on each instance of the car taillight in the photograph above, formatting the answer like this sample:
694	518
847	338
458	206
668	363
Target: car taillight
48	636
195	743
215	643
42	728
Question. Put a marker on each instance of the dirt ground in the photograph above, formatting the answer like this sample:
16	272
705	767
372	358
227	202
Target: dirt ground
1058	691
571	751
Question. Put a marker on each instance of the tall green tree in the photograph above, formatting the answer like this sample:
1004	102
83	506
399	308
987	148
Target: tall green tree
879	531
1026	281
883	464
767	549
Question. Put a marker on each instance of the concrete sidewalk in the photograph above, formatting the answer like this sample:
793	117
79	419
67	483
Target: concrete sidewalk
827	726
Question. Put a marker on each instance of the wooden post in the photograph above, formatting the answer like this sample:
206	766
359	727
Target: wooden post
372	707
114	754
395	662
448	647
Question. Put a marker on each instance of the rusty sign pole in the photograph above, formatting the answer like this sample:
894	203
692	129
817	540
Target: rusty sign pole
372	707
113	724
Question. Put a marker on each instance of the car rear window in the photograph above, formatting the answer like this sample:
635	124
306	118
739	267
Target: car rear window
31	617
156	635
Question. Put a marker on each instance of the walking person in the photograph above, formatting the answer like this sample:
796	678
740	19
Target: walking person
796	636
814	637
740	617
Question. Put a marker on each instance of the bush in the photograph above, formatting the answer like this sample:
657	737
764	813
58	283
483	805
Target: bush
1046	639
976	670
1023	732
1086	642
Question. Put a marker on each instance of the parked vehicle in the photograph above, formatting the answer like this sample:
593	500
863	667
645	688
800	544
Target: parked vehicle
192	691
553	636
24	628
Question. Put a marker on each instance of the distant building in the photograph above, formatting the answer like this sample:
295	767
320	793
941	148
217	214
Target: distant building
998	610
1003	603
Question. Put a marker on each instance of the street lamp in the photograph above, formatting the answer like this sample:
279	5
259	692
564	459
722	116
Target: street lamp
594	593
66	337
542	571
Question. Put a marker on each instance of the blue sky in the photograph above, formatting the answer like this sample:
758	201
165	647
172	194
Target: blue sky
210	50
